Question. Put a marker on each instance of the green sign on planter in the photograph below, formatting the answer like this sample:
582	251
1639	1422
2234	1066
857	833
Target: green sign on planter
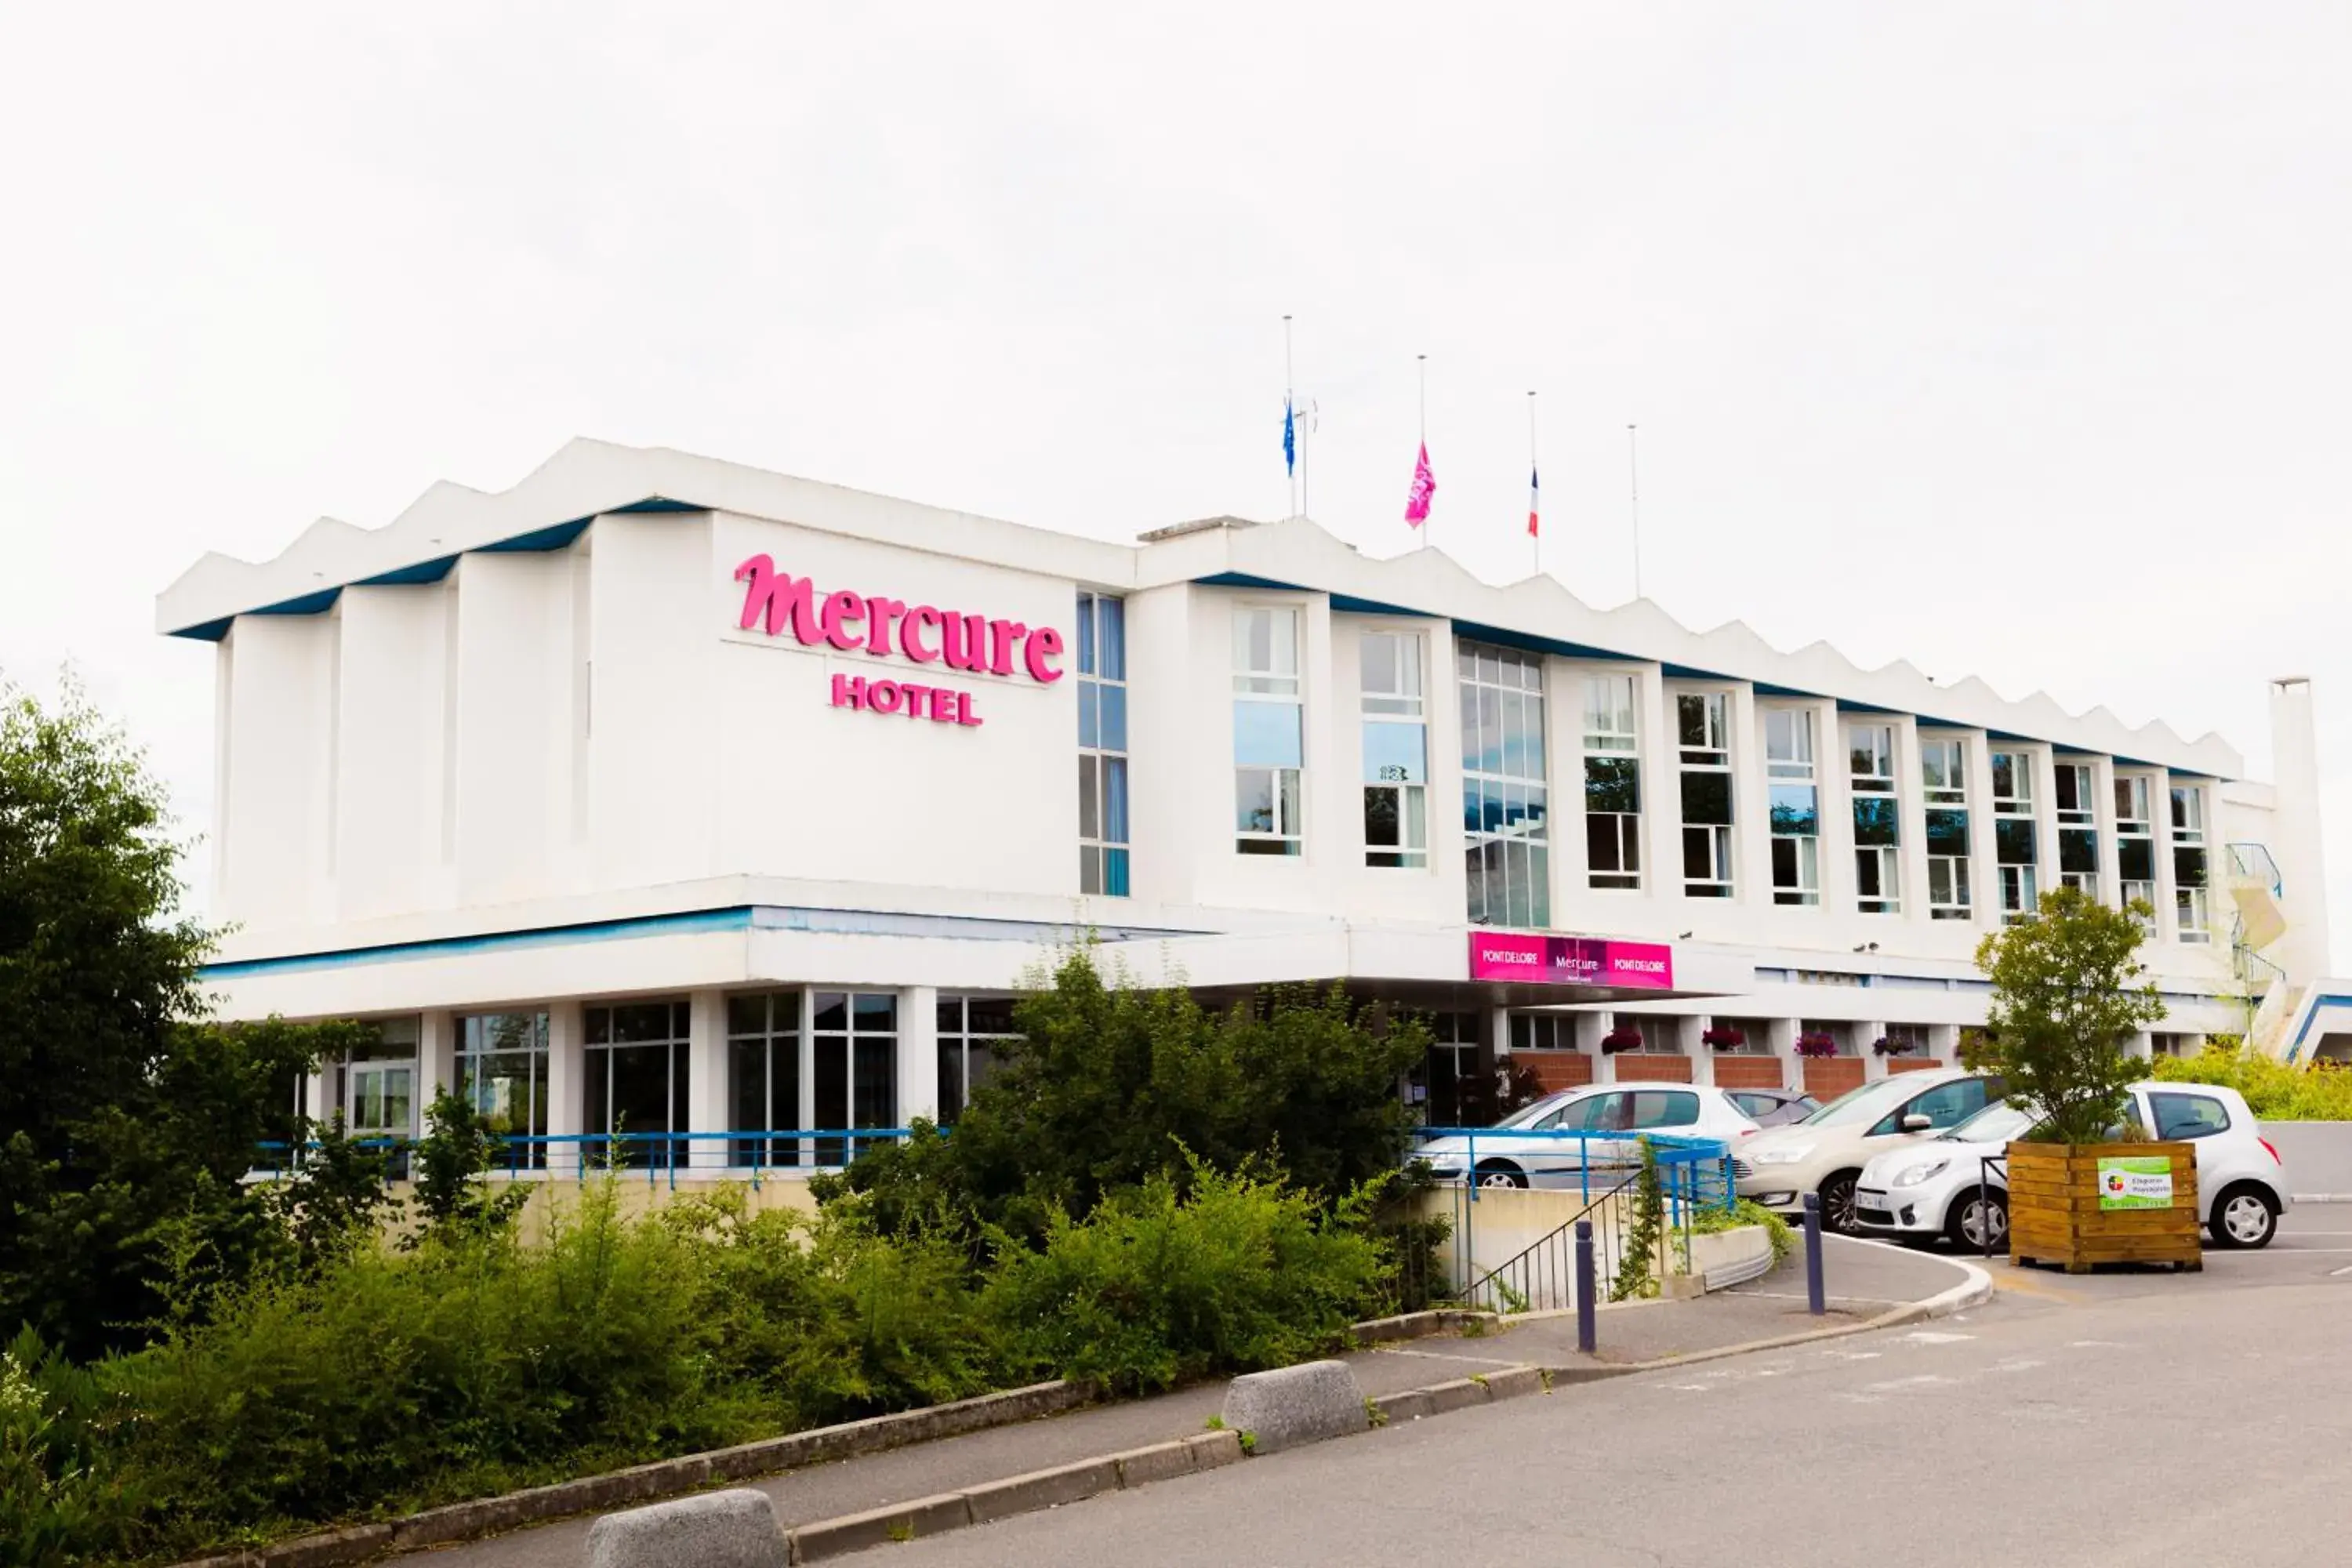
2135	1182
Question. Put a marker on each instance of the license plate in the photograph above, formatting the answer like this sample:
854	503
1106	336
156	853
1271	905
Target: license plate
1868	1208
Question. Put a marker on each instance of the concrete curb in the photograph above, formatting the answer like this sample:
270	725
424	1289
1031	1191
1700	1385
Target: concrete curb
663	1479
1039	1490
1421	1325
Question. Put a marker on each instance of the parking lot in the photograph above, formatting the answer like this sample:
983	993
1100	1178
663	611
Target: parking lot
2313	1247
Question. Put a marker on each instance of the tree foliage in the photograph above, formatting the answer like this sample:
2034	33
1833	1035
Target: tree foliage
2068	992
1108	1085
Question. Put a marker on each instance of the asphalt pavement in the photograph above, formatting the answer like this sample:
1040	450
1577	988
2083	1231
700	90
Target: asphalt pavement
2106	1420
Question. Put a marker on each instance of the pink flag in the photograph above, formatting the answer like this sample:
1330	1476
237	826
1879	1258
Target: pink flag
1425	486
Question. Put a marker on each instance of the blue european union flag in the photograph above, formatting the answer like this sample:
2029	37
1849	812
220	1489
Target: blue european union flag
1289	440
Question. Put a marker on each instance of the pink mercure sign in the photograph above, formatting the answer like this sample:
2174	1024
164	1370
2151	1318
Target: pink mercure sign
1572	961
776	602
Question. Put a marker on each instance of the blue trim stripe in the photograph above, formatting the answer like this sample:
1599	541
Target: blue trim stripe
316	603
736	918
409	576
1528	642
2328	999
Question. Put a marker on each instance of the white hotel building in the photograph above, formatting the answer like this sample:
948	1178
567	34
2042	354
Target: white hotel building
663	794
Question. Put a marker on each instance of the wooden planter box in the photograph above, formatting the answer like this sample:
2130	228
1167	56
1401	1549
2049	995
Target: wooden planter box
2058	1212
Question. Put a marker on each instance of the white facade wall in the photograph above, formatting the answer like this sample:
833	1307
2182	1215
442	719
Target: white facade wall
552	738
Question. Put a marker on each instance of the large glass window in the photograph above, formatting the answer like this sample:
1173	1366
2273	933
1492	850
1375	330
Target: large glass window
502	1072
763	1077
373	1089
1504	804
970	1030
1944	770
2192	916
2078	838
1102	745
1269	729
1612	785
636	1066
2135	844
1877	820
1702	730
2014	842
1796	805
1396	751
1947	866
853	1044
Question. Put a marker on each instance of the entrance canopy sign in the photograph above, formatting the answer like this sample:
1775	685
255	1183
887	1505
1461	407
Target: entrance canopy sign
1572	961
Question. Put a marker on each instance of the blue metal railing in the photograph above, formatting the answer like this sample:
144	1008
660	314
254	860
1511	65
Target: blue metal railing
751	1152
1693	1169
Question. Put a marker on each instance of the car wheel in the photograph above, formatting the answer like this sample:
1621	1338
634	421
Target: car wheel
1837	1204
1980	1225
1500	1174
2243	1217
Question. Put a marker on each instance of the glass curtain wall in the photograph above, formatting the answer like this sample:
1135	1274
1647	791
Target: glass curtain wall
763	1077
1505	813
1102	745
635	1063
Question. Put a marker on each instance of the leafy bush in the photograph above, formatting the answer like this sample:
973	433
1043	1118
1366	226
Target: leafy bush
1712	1219
1156	1287
2275	1090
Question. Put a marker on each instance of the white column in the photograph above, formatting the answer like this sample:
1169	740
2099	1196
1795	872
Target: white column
1661	800
2140	1047
2103	813
436	1059
1984	861
1589	1027
919	1053
1780	1036
567	1082
2045	819
1498	1031
1751	816
1833	781
2294	831
2159	815
1866	1036
1564	786
1911	805
1687	1030
1944	1043
706	1077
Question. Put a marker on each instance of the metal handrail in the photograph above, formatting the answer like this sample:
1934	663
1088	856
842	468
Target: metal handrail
1986	1163
1681	1176
1674	1148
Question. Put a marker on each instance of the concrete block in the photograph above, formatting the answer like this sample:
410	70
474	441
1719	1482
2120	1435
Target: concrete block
1457	1395
1410	1406
335	1547
901	1522
1141	1467
1041	1490
1512	1382
1211	1450
716	1530
1295	1405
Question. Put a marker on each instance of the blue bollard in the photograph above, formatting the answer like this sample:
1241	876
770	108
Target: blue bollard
1586	1332
1815	1301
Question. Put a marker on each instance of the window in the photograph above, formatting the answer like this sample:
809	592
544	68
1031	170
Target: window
969	1028
2014	850
1396	752
1267	732
1102	745
1877	820
1702	730
1448	1079
1543	1032
2012	784
2135	844
1944	770
2192	917
636	1065
1505	803
1947	866
1609	713
1796	807
1946	1105
763	1077
1612	785
373	1089
2181	1115
1633	1111
2078	841
853	1048
2161	1044
502	1073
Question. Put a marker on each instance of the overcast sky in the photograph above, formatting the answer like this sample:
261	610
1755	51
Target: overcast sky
2012	339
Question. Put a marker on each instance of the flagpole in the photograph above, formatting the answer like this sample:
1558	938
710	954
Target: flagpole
1289	412
1534	494
1423	361
1634	475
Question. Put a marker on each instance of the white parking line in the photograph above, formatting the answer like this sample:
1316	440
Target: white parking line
2339	1273
1933	1336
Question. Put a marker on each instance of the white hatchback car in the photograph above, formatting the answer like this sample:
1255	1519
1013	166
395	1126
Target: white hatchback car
1943	1186
1825	1152
1536	1144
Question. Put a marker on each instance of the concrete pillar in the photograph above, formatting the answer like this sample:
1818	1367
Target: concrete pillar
1944	1043
1662	801
2141	1047
436	1059
1780	1036
1589	1027
2159	811
919	1053
2111	870
1833	777
1751	813
2302	950
567	1082
2045	819
706	1079
1866	1036
1910	794
1984	859
1687	1029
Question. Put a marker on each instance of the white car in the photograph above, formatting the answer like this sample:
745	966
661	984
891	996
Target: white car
1537	1146
1943	1186
1825	1152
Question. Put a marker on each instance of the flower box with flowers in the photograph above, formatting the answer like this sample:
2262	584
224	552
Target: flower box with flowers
1888	1046
1617	1040
1817	1043
1724	1039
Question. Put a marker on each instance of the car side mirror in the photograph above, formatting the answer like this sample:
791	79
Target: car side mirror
1914	1123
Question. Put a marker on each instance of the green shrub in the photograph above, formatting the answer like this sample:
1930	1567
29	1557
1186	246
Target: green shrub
60	1502
1158	1287
2275	1090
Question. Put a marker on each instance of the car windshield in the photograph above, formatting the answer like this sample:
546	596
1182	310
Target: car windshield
1862	1104
1996	1123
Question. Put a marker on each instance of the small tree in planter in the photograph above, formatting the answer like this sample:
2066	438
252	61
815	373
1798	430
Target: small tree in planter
2068	991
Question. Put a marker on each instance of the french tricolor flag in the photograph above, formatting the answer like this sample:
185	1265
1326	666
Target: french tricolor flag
1534	493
